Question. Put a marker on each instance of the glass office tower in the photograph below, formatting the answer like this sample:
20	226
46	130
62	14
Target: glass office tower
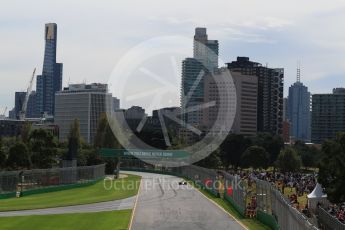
51	79
205	60
299	111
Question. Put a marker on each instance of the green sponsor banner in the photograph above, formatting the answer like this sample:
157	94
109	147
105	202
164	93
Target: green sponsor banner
143	153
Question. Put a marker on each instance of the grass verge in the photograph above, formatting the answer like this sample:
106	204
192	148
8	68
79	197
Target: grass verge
249	223
114	220
120	189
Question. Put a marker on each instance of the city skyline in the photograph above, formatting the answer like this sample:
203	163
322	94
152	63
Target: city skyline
172	114
90	52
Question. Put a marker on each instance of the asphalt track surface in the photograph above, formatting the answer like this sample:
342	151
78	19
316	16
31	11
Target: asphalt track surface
164	204
127	203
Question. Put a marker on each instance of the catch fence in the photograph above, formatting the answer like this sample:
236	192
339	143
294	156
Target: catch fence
327	221
29	181
272	202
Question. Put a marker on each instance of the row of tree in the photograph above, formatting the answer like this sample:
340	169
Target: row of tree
264	150
332	168
36	150
261	151
39	149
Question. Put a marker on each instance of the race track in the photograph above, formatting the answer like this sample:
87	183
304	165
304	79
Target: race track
164	204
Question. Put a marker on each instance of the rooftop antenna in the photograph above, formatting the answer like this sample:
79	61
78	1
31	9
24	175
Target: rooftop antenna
298	71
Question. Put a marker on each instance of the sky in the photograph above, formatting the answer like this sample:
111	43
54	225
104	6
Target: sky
95	37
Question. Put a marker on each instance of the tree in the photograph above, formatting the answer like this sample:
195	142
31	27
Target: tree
18	157
272	144
256	157
2	156
105	137
332	168
25	132
102	125
232	149
43	148
177	142
61	149
93	158
88	155
211	161
288	160
73	140
309	155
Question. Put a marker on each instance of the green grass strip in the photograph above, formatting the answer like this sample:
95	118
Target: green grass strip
114	220
119	189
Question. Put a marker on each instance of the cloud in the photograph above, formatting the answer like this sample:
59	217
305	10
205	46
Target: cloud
235	34
94	35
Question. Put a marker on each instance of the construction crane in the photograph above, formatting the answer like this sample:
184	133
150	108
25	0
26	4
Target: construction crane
5	110
22	113
2	116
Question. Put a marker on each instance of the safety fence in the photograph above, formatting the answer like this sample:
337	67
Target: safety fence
235	192
46	180
206	178
272	202
327	221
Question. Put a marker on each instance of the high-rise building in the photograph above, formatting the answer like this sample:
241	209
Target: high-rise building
339	91
270	93
18	103
135	113
31	109
116	103
12	114
204	50
204	61
11	127
299	110
217	88
192	90
285	108
134	116
286	122
286	131
328	115
85	103
50	81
